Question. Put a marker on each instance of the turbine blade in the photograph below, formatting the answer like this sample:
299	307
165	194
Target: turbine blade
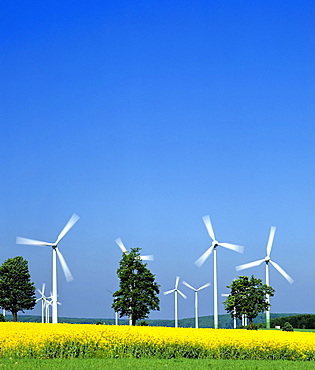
188	285
204	286
182	294
147	258
64	266
27	241
121	245
74	218
233	247
248	265
176	282
169	291
270	240
207	221
282	272
202	259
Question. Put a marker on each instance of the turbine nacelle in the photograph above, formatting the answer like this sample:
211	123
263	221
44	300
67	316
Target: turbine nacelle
214	244
267	259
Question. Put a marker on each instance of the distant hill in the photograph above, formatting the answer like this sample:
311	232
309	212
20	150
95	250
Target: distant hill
305	321
225	321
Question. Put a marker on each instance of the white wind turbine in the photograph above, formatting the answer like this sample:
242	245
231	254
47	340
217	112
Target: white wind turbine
176	290
202	259
234	317
116	313
274	264
124	250
63	263
142	258
43	299
196	299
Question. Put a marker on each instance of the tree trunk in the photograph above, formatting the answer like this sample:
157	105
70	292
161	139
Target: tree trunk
14	316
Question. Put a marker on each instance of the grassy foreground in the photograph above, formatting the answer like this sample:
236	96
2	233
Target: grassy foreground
151	364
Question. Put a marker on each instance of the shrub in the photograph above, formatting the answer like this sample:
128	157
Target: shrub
252	326
287	327
142	323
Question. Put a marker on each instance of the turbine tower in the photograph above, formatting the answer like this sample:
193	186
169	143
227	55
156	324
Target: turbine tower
274	264
63	263
202	259
176	290
196	299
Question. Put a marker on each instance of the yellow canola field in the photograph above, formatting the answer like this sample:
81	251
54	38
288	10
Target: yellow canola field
78	340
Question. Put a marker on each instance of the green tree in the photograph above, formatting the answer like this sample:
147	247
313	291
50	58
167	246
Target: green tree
247	297
17	292
137	294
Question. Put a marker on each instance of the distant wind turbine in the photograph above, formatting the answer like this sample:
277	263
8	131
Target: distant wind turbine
124	250
116	313
202	259
196	299
63	263
176	290
274	264
234	317
42	298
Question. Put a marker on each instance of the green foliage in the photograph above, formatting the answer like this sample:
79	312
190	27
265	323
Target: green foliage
137	294
247	297
306	321
287	327
253	326
17	292
2	317
142	323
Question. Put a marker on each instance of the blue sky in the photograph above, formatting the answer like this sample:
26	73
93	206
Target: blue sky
144	116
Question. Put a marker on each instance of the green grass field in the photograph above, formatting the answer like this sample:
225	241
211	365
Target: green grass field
149	364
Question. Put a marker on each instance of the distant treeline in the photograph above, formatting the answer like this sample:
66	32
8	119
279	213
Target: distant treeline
225	321
305	321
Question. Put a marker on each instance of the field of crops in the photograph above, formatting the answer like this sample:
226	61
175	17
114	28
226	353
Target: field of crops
32	340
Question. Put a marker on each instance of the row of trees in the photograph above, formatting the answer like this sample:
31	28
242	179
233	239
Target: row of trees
137	294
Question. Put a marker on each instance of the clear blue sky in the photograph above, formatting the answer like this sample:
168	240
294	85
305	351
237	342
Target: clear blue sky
144	116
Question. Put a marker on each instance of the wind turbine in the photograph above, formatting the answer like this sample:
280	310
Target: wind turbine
202	259
63	263
274	264
116	313
196	299
234	317
43	299
124	250
176	290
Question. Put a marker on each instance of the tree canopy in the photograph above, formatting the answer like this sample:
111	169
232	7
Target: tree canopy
138	291
247	297
17	292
